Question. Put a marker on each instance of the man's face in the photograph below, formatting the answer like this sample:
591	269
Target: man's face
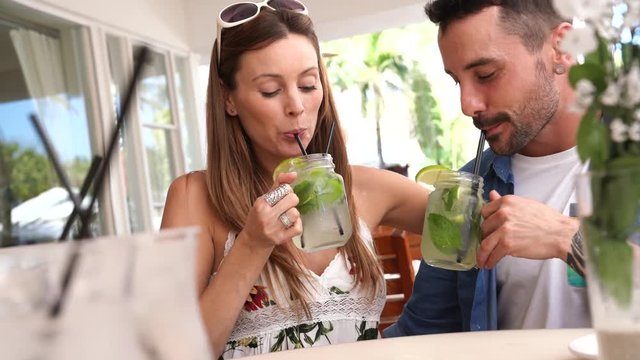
507	90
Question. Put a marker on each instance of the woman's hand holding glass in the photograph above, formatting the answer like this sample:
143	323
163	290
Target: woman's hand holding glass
274	219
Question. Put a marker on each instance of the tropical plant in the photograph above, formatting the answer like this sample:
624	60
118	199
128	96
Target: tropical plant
381	71
428	126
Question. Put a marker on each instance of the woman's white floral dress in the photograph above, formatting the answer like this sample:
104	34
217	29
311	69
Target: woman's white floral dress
340	314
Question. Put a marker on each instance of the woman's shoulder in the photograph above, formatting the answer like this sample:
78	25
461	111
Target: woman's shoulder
188	199
360	172
194	181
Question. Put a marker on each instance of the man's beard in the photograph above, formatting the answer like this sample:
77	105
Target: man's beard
539	107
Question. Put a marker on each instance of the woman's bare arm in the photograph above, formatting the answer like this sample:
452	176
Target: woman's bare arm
387	198
223	295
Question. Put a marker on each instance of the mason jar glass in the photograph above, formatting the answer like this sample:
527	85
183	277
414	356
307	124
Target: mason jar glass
451	231
323	206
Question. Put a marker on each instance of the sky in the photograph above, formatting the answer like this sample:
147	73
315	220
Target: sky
67	127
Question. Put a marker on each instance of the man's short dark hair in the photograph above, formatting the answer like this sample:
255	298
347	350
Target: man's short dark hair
531	20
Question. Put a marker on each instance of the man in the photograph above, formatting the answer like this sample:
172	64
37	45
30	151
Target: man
506	58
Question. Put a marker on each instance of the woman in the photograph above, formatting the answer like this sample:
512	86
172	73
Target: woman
267	86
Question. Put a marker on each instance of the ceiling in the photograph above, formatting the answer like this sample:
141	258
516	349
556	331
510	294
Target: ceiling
333	19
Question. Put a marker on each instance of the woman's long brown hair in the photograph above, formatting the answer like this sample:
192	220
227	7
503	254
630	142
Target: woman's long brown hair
234	181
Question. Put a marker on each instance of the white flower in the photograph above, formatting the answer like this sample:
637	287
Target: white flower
611	96
632	16
633	86
618	130
584	95
634	131
588	10
579	41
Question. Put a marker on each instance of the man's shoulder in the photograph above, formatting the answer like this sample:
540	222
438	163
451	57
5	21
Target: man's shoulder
488	157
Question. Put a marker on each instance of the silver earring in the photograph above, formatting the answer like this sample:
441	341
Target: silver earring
559	69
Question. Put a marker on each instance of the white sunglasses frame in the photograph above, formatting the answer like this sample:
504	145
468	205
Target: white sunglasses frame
221	24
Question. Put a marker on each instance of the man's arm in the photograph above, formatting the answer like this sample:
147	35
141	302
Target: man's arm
434	306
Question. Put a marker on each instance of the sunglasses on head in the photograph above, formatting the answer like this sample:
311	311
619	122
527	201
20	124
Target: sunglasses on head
242	12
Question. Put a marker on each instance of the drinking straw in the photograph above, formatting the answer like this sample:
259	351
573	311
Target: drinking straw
475	184
86	185
476	165
333	126
333	210
85	214
302	149
55	160
304	152
142	58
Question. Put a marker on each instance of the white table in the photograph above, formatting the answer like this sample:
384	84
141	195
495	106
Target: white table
486	345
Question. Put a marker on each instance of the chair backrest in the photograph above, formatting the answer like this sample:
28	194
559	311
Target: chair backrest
414	240
395	257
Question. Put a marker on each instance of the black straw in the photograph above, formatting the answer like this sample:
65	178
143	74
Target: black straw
99	171
475	184
333	210
333	125
55	160
86	185
476	165
302	149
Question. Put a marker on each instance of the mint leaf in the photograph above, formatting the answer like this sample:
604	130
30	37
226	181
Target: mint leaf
445	234
449	197
318	191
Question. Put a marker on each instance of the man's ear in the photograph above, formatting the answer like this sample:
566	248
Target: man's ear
229	106
560	58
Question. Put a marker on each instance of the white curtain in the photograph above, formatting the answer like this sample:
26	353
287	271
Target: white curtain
41	61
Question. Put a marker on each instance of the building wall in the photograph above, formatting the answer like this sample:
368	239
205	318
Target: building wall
164	21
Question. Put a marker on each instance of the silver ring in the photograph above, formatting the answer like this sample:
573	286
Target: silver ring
272	197
284	219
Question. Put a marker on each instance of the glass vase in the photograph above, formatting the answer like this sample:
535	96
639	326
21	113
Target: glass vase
609	209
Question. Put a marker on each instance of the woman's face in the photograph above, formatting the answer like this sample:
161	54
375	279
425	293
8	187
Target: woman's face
278	95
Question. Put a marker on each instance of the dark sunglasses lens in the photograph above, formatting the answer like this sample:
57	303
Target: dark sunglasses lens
238	12
286	5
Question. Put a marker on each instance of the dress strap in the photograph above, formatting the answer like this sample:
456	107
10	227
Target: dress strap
231	239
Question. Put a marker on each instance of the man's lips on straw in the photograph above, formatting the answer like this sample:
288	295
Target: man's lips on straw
490	130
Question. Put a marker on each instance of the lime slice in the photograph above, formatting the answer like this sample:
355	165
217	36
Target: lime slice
431	174
288	165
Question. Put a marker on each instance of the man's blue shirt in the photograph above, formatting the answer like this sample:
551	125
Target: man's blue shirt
451	301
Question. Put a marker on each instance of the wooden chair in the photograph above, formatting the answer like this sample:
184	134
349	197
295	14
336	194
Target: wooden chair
394	255
414	241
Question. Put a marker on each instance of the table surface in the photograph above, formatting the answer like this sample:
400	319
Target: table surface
489	345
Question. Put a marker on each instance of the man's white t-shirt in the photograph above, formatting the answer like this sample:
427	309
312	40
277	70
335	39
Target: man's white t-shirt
536	294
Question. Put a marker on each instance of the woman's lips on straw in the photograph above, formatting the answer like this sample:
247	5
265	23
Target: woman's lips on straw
291	134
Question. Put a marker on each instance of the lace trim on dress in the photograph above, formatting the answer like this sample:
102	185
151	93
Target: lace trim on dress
275	318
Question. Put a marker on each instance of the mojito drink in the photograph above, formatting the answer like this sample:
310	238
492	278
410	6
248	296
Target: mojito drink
323	206
451	231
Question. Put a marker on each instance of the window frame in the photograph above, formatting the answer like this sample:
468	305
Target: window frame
114	212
